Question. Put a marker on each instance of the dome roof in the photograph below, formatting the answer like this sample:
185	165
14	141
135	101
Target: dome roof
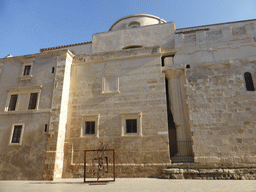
136	20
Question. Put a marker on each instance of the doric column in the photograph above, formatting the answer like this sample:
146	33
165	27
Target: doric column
178	107
55	144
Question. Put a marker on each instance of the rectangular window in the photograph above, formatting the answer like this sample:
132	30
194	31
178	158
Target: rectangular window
13	101
16	136
131	125
27	70
33	101
89	127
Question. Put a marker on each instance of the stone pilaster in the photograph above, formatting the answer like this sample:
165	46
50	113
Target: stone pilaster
55	145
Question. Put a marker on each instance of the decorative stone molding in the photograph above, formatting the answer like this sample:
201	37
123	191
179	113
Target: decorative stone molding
96	119
138	117
23	88
217	63
23	98
125	54
171	72
252	59
25	77
25	112
30	60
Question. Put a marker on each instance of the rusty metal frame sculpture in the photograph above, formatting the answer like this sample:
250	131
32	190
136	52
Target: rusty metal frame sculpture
101	169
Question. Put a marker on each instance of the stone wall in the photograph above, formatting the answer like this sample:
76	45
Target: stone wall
161	35
25	160
141	90
222	114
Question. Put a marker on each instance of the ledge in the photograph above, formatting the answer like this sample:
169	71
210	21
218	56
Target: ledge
26	77
109	93
217	63
25	112
125	54
30	60
252	59
24	88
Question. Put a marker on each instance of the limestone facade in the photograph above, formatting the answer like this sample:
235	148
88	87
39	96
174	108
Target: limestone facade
156	94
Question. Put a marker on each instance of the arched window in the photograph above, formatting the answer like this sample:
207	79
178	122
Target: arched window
248	81
134	24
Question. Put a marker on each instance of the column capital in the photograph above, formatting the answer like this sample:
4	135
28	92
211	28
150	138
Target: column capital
172	72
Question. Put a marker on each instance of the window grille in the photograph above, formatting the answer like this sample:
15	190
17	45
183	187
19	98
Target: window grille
90	127
131	125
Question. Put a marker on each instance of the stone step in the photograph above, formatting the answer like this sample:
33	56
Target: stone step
218	173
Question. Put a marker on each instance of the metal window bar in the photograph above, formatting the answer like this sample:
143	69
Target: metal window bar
131	125
90	127
181	152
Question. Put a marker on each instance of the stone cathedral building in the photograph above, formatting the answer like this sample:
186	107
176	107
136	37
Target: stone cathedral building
158	95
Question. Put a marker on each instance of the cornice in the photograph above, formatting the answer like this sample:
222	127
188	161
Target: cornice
23	88
64	46
117	55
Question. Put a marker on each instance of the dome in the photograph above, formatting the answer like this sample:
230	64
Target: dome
135	21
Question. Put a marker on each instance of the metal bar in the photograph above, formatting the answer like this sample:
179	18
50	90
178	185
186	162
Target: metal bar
114	164
100	165
84	166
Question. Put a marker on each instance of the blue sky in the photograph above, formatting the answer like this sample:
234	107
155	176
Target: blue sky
29	25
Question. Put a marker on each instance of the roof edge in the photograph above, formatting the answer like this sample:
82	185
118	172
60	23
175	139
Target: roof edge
216	24
63	46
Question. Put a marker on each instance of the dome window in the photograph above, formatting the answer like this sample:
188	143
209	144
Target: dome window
133	47
134	24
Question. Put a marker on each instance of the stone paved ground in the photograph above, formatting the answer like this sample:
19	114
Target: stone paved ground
130	184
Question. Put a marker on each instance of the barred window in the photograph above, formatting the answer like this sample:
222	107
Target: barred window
33	101
131	125
13	101
248	81
89	127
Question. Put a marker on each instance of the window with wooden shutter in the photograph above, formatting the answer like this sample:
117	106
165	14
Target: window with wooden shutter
33	101
13	101
16	136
